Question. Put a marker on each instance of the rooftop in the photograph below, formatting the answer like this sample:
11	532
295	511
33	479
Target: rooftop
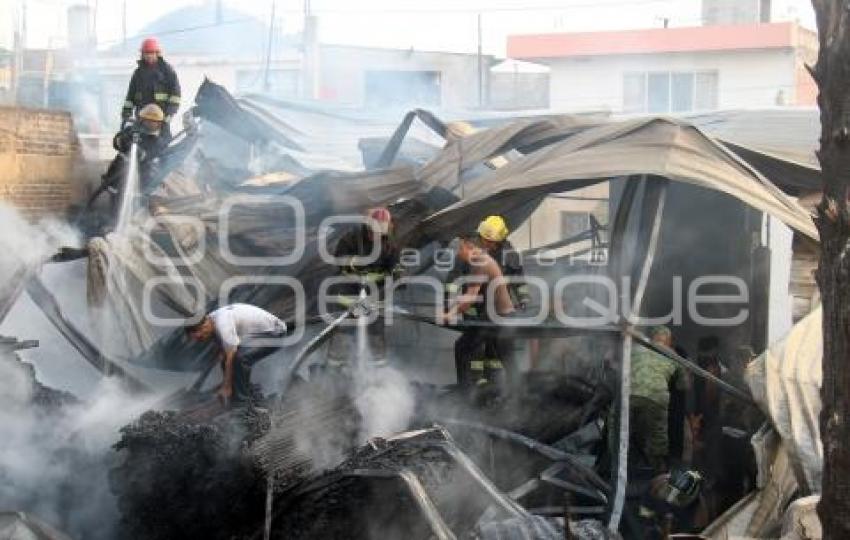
657	40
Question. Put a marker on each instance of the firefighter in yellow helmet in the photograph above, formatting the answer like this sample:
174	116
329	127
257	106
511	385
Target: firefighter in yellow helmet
478	359
148	133
493	233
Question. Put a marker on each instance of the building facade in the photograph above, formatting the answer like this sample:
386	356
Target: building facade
676	70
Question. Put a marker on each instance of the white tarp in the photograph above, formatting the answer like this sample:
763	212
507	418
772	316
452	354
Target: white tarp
785	382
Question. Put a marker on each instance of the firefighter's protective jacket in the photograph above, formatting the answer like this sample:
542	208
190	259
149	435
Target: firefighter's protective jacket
155	83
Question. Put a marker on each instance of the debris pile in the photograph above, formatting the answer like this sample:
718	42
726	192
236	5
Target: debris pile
543	455
180	477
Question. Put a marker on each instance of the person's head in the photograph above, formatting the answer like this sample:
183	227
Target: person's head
200	331
150	50
380	221
467	245
492	231
661	335
151	118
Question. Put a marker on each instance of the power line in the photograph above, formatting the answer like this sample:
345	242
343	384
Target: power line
184	29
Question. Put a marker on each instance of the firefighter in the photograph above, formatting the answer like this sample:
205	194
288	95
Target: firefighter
487	359
153	81
245	334
358	244
485	278
493	233
147	131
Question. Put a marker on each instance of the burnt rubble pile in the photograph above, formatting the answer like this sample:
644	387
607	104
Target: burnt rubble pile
416	485
542	405
306	461
188	478
201	471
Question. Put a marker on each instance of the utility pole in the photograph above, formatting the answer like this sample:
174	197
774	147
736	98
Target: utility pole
832	75
480	67
269	50
24	24
124	25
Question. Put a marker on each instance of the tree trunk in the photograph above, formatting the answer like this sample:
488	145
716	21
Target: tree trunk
832	74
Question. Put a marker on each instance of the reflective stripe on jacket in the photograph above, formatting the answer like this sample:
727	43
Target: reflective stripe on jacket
153	84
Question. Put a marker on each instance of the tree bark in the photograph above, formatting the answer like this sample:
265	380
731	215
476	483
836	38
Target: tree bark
832	74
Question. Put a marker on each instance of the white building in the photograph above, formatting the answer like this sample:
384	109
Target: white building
675	70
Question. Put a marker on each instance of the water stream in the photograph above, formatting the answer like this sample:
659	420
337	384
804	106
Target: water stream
129	193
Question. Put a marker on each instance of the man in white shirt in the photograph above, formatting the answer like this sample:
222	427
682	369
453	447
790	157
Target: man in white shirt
245	335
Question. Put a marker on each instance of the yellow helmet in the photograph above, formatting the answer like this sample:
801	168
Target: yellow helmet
494	229
152	112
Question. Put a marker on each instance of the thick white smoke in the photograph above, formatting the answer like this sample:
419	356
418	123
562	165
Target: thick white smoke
384	399
54	456
54	461
26	243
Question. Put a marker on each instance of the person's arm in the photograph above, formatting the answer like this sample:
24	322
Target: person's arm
346	250
130	100
463	302
173	104
225	391
684	383
515	271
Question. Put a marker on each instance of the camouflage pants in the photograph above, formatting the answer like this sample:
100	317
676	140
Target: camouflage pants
649	431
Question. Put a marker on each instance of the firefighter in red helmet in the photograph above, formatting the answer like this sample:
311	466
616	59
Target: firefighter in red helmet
369	255
153	81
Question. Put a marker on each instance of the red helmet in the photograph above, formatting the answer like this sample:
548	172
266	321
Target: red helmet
380	218
150	45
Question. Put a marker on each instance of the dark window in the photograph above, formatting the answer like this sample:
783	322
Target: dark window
573	223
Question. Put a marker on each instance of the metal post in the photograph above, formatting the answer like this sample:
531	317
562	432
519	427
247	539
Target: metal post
267	528
269	49
124	25
480	67
654	199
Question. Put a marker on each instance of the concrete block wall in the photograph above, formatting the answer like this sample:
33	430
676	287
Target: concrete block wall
38	151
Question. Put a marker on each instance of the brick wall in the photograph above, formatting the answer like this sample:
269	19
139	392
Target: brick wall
38	150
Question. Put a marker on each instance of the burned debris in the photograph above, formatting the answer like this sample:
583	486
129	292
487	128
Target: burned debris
378	442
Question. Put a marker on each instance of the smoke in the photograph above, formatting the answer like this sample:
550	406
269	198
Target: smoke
384	398
363	401
25	243
56	451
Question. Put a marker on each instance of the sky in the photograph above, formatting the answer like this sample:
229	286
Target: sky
445	25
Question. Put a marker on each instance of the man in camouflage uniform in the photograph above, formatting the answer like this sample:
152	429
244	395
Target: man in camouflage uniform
652	375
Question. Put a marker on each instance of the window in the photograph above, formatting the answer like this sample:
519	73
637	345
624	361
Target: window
573	223
669	92
658	92
634	92
705	91
681	92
